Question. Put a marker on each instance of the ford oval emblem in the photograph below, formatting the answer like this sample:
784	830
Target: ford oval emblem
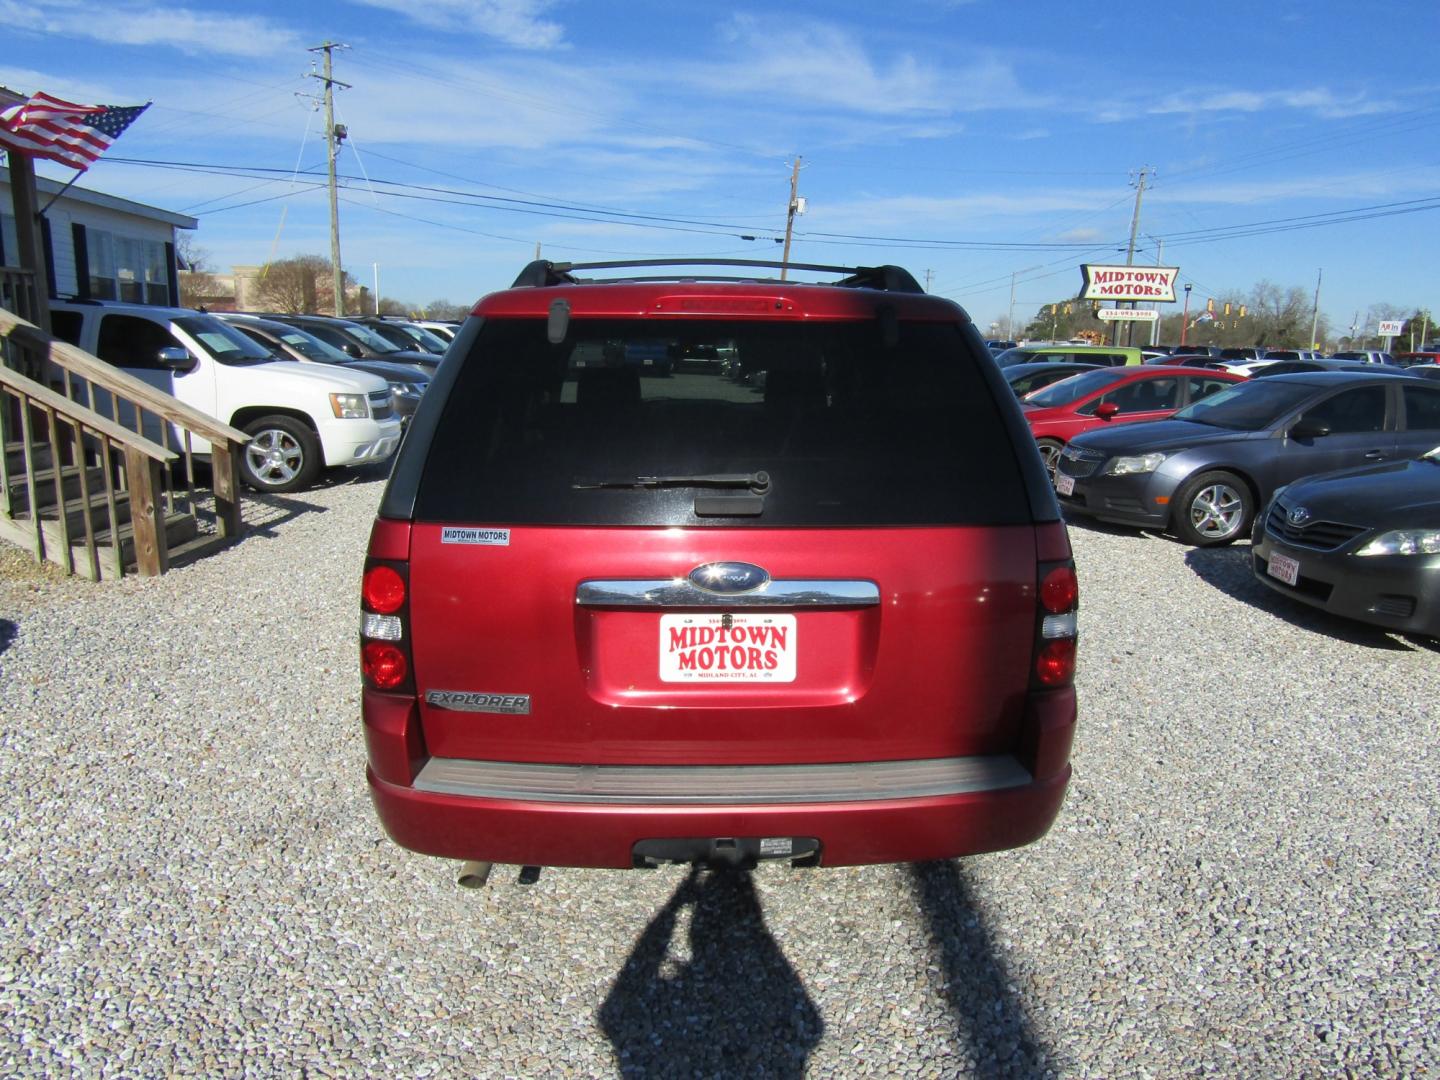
1299	516
729	577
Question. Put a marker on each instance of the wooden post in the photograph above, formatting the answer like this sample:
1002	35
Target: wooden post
146	519
27	234
225	477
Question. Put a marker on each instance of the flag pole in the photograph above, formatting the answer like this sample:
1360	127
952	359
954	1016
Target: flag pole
68	184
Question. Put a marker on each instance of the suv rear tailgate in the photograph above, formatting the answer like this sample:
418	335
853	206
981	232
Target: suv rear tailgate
867	682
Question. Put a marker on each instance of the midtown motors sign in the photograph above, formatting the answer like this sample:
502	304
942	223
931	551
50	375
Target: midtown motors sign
1156	283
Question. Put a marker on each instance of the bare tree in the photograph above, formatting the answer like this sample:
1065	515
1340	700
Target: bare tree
191	255
444	309
302	285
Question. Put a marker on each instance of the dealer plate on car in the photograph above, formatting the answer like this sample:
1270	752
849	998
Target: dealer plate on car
1284	568
1065	485
747	648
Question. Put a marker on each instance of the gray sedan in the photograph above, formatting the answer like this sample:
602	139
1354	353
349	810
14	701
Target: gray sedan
1202	473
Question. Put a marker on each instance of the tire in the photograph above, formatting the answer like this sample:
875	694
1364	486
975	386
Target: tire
282	455
1050	455
1211	509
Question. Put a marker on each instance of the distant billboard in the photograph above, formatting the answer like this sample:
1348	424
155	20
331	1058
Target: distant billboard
1391	327
1154	283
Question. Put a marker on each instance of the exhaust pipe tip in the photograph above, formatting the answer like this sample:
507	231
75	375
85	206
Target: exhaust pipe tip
473	874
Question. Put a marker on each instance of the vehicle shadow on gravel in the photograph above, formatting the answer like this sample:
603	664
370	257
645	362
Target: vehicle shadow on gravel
992	1025
1229	570
723	1001
8	630
263	514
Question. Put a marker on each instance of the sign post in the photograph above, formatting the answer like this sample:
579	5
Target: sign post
1390	330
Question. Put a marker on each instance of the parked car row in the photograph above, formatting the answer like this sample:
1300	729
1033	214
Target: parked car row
311	391
1334	475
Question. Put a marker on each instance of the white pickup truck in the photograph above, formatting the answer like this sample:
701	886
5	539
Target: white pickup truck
301	417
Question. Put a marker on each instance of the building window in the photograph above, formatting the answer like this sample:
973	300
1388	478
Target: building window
127	268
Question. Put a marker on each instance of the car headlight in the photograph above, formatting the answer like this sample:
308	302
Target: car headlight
350	406
405	389
1404	542
1129	466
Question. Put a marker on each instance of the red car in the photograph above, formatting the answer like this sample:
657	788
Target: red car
1062	410
814	603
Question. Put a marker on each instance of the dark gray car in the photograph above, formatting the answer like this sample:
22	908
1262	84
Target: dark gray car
358	341
1202	473
1363	543
407	381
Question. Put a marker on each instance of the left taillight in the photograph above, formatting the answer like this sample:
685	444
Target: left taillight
1058	594
385	626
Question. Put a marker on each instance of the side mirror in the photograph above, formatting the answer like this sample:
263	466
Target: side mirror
1107	410
354	350
176	359
1308	429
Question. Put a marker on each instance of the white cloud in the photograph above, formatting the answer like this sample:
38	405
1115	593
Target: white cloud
134	24
514	22
1320	101
822	64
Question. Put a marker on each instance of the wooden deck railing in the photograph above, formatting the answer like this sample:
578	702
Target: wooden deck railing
99	469
17	292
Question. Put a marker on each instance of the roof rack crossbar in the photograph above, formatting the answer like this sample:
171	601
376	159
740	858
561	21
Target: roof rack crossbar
542	272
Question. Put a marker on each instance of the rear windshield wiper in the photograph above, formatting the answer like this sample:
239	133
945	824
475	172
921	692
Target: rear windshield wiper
758	482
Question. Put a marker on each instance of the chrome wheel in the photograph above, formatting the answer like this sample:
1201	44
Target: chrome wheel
274	456
1217	512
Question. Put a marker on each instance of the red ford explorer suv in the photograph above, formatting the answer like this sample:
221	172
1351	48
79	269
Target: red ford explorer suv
811	600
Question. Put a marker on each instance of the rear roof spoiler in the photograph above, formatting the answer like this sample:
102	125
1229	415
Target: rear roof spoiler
542	273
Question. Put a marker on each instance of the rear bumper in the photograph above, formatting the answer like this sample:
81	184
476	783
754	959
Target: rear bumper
604	835
593	816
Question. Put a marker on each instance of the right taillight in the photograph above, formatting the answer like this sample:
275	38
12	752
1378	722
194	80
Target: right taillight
384	625
1059	600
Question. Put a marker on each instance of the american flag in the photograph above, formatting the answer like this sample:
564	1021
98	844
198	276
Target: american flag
74	135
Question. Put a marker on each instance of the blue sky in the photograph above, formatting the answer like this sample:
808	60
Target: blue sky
970	140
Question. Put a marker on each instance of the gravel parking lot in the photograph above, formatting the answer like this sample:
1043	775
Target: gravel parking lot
1241	882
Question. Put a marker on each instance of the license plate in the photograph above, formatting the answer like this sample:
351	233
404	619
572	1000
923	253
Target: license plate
743	648
1284	568
1065	485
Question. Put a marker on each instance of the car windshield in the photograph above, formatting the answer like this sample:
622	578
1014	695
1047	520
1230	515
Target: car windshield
428	341
1011	357
370	338
1070	390
311	347
1248	406
223	341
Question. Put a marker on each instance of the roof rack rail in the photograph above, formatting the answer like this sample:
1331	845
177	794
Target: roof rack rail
542	272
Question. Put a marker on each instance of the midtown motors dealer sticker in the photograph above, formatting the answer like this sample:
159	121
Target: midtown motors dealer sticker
727	648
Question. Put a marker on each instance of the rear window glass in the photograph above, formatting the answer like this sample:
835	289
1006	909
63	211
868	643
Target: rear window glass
851	431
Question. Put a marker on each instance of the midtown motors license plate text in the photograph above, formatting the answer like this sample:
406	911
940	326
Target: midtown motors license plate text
727	648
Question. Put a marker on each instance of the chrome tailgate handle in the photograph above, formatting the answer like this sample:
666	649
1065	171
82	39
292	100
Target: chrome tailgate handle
681	593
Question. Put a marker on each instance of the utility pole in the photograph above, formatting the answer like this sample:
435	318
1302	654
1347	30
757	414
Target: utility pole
1010	319
790	215
1130	252
929	277
1315	312
332	140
